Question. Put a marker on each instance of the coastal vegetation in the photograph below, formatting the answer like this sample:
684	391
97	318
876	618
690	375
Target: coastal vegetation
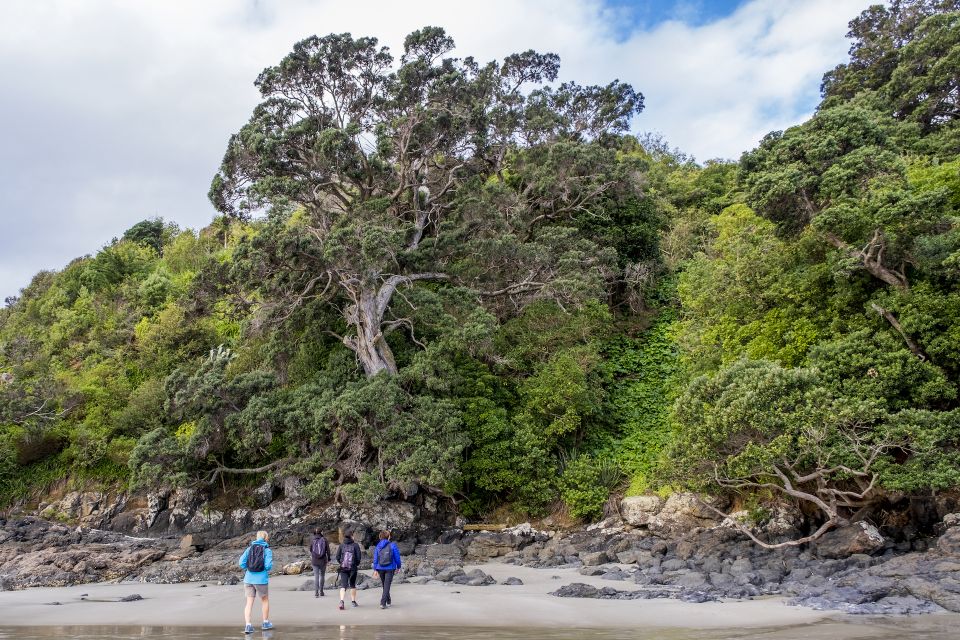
459	276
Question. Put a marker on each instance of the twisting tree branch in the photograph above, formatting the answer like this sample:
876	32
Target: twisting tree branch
220	470
892	319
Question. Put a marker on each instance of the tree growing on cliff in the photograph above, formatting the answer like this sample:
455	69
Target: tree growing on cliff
439	170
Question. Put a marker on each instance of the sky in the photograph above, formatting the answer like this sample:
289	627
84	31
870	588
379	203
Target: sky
115	111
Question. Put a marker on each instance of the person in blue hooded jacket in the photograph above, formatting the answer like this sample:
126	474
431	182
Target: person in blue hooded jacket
257	561
386	561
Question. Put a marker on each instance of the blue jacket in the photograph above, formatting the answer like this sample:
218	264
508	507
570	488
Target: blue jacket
395	564
258	577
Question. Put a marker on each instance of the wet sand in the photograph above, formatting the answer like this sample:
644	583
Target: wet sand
527	605
926	627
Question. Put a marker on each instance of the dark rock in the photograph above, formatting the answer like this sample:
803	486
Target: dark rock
692	580
448	536
740	567
698	597
949	542
448	574
511	581
133	597
673	565
938	591
616	574
859	537
720	580
576	590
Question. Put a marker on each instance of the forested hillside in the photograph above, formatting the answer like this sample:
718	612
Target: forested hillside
433	272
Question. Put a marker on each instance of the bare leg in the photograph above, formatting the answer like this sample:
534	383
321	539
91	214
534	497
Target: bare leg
248	609
266	607
353	594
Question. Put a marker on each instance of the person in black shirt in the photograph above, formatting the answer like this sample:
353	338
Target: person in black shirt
348	559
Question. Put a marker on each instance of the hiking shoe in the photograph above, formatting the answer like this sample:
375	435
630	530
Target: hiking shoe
353	603
383	606
341	605
389	604
316	594
267	625
321	593
248	628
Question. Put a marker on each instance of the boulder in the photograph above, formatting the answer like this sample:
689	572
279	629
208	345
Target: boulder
594	559
449	573
859	537
949	542
475	578
264	494
511	581
740	567
576	590
681	513
692	580
639	510
295	568
446	551
490	545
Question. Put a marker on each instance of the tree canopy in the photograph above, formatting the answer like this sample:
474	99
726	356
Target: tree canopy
434	274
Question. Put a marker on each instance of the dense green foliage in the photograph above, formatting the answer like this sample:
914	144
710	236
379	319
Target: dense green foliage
497	295
819	318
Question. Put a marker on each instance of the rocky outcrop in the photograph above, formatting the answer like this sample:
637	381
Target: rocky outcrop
36	552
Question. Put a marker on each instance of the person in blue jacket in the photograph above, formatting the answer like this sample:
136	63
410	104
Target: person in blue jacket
257	561
386	561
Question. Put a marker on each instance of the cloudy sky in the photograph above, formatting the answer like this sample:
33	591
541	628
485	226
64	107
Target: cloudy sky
113	111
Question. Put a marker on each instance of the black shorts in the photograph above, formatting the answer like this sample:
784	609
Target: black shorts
348	579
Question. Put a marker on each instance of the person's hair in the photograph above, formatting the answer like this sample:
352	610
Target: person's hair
384	535
318	531
263	535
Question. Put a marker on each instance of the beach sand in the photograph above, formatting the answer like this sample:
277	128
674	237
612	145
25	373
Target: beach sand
526	605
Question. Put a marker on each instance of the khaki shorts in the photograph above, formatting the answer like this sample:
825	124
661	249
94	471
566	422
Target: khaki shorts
256	590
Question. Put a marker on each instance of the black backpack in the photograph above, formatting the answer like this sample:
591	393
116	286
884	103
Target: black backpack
385	555
318	550
255	560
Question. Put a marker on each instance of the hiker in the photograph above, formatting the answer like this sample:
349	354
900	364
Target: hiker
386	561
319	557
348	559
257	560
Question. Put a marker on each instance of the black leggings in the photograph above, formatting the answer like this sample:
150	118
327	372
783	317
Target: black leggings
319	572
386	576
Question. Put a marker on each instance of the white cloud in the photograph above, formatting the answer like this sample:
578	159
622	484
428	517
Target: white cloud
114	111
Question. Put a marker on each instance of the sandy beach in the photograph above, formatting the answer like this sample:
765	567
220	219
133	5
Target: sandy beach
527	605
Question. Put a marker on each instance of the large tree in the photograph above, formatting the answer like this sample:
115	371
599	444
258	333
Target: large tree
378	176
